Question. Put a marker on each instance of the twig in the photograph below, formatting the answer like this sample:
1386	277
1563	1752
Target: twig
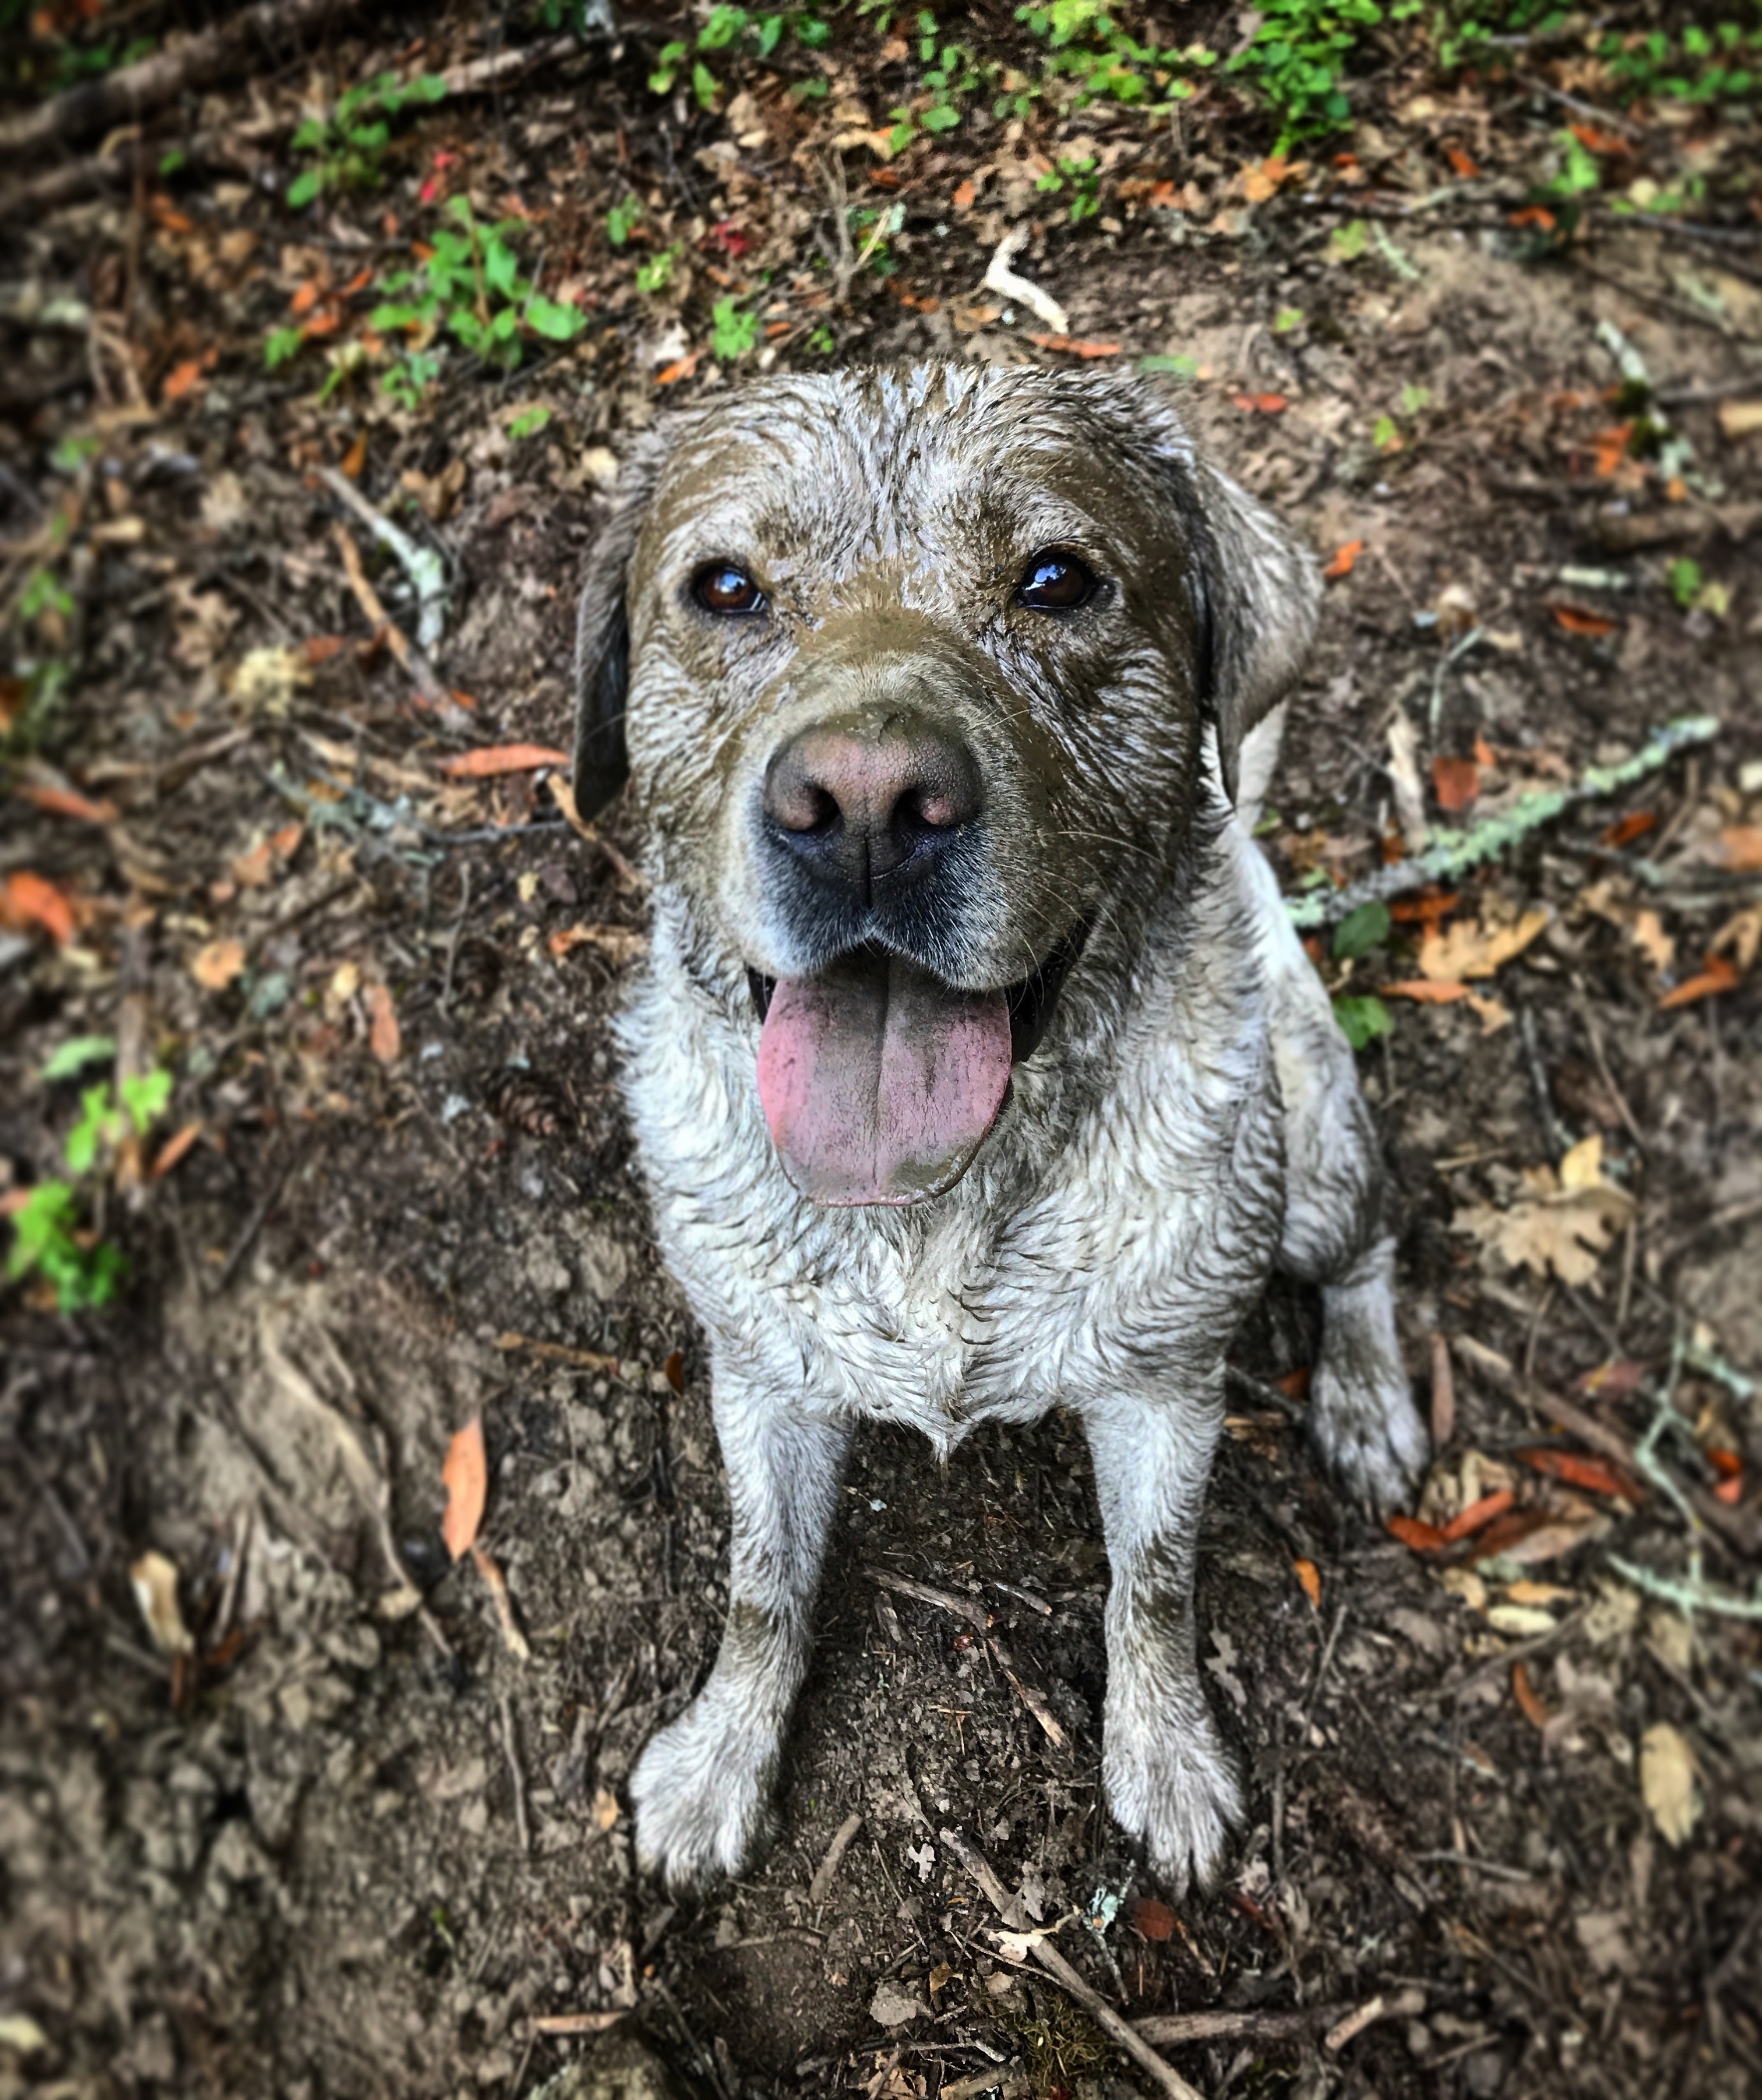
1451	854
1594	1035
1118	2031
820	1887
1584	108
252	1225
1001	279
511	1748
1558	1142
453	940
973	1611
420	672
1170	2029
1736	1528
424	567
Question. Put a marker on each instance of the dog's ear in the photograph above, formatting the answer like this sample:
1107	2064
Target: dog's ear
603	635
1257	598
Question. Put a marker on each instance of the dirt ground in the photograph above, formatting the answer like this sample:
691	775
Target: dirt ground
361	1840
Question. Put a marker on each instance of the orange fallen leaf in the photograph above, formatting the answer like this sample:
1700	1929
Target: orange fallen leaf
674	1368
1460	163
1625	829
1485	756
1740	849
173	1150
1263	404
306	297
964	195
1730	1492
182	379
1534	1712
465	1477
1478	1514
1419	1537
216	964
1456	782
1576	621
512	1639
1509	1530
498	759
1533	214
1719	976
1151	1920
1295	1385
322	648
1611	448
1343	560
1600	141
1429	992
1310	1577
384	1038
681	367
66	802
356	458
1727	1464
32	901
1074	346
1596	1476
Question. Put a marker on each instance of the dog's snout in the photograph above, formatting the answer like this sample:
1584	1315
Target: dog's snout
860	805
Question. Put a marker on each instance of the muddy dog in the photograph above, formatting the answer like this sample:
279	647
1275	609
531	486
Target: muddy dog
976	1068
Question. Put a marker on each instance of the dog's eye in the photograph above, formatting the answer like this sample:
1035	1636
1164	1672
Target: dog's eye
723	588
1054	583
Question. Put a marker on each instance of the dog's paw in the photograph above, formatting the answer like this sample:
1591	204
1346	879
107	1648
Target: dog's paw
702	1793
1364	1425
1171	1786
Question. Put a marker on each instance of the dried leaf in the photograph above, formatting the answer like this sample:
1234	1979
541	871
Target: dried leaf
1534	1711
1648	935
620	945
1425	991
1666	1782
1719	976
1742	934
1342	563
605	1809
1478	1514
384	1038
512	1639
1596	1476
1074	346
66	802
1150	1919
154	1580
31	901
1470	948
465	1477
1443	1392
488	764
1310	1577
1740	419
214	966
1456	782
1576	621
173	1150
1419	1537
1562	1235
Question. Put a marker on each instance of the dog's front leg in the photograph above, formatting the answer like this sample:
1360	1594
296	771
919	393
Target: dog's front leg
1169	1778
702	1787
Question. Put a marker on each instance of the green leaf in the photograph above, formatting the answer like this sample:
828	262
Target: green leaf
1362	1020
94	1128
75	1055
940	116
529	421
1413	399
1182	367
1383	432
555	322
303	188
734	333
1287	318
1683	578
704	86
145	1095
1361	931
1346	244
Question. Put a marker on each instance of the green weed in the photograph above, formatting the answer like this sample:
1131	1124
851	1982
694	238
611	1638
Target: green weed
346	145
1362	1017
1078	179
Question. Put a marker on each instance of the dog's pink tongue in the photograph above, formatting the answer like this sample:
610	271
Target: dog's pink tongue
879	1083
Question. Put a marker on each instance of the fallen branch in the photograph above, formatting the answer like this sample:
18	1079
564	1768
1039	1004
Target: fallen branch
1451	854
129	94
1338	2023
416	666
1118	2031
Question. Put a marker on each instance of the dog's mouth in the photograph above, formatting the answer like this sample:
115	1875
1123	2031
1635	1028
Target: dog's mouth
881	1082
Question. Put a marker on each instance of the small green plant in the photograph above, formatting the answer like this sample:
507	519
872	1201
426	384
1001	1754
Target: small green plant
1299	56
734	30
1683	579
471	285
655	275
528	422
43	596
823	342
1078	178
1713	62
1180	366
83	1269
734	332
280	345
1362	1017
346	145
622	221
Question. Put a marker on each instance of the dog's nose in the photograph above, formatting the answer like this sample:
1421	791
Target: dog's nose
858	807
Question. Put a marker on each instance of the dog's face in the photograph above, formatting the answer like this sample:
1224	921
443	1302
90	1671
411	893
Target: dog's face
911	671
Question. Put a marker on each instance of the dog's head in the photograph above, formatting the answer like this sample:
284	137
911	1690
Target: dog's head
910	673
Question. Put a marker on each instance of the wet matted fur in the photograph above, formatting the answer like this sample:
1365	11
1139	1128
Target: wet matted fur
1188	1118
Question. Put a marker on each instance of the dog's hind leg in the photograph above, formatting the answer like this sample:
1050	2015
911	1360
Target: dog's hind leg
1361	1416
1170	1781
702	1789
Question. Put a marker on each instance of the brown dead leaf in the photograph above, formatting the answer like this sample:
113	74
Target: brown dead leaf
512	1639
1074	346
1429	991
1719	975
32	900
216	965
1666	1782
174	1149
1471	948
1535	1710
619	945
1740	419
154	1580
1649	936
384	1038
1310	1577
605	1809
1443	1392
1563	1226
1740	849
1576	621
1340	563
1456	782
491	763
465	1477
1150	1919
58	801
1741	934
